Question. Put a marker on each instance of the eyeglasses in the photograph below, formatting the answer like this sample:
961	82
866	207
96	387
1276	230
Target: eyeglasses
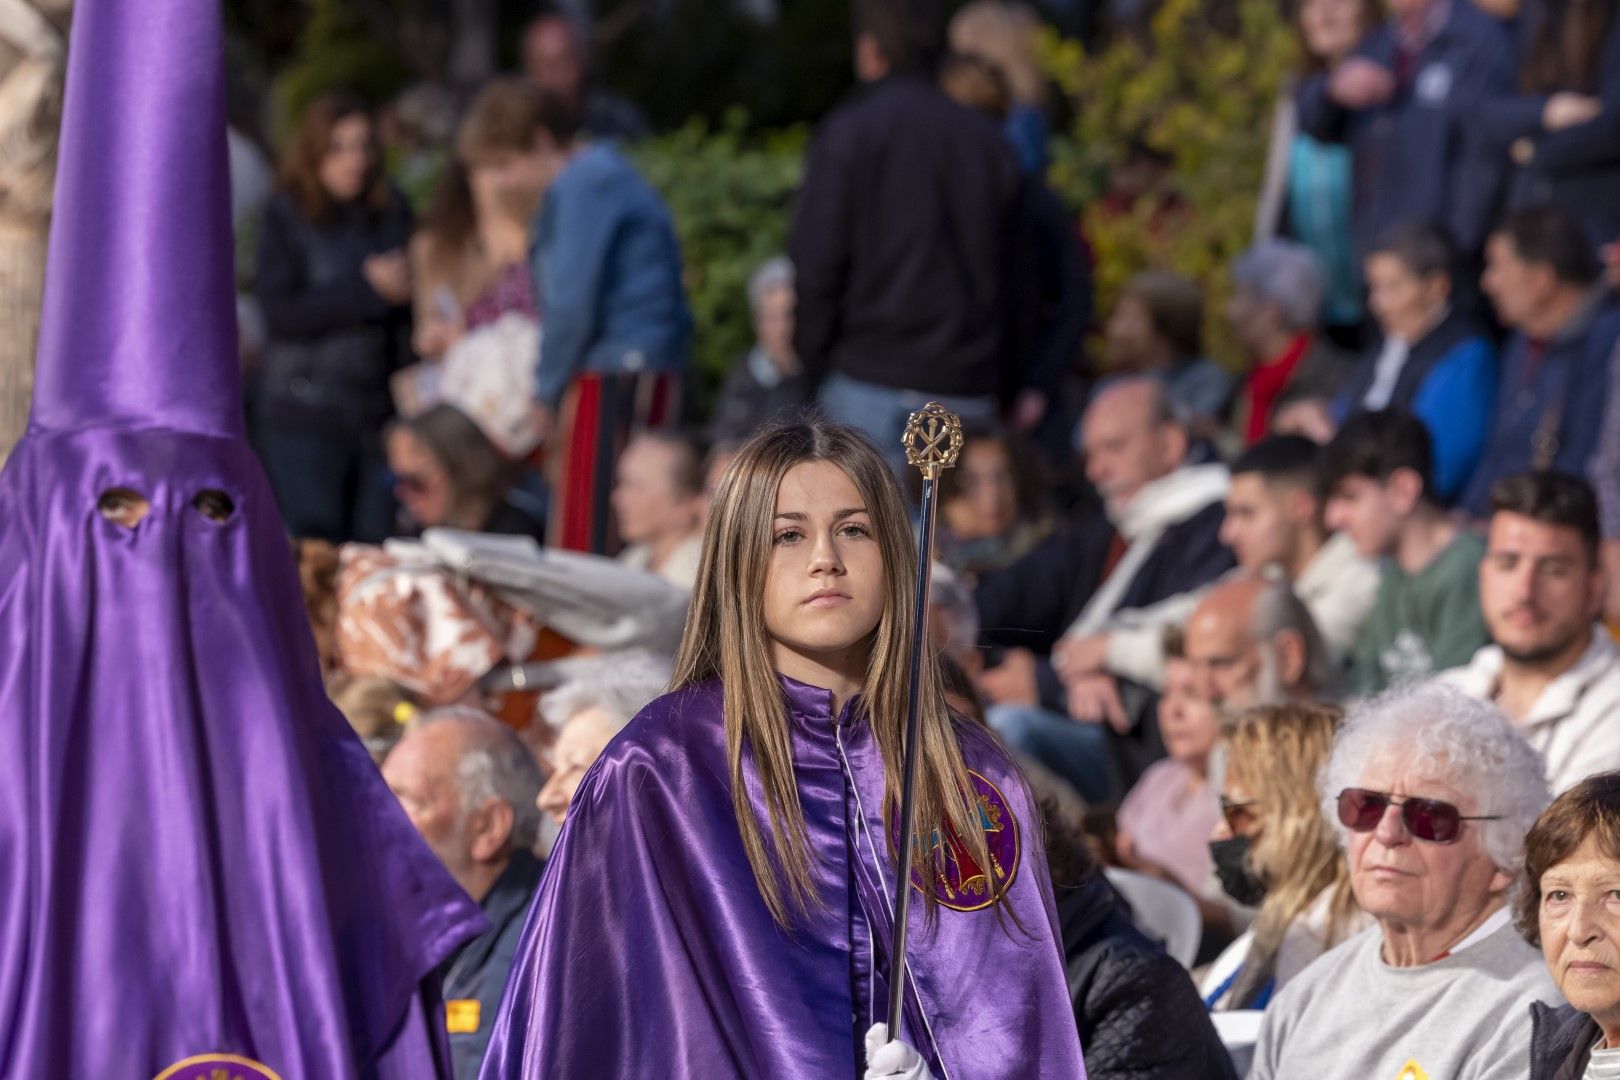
1433	820
1237	814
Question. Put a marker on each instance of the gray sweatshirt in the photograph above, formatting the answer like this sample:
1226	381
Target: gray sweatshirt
1350	1016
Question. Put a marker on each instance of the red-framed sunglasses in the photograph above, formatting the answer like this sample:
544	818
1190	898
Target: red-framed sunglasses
1434	820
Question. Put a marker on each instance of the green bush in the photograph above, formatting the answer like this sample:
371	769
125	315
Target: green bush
336	52
731	195
1203	93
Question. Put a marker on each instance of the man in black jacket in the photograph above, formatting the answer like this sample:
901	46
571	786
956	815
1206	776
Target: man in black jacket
1159	538
1139	1015
906	232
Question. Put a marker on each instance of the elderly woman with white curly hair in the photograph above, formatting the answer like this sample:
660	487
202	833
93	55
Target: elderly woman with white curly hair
1433	793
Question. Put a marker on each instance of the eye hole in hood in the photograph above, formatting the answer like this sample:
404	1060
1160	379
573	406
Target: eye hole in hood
216	506
124	507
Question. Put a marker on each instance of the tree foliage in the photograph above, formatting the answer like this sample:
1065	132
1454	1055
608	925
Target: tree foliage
339	49
1200	91
731	195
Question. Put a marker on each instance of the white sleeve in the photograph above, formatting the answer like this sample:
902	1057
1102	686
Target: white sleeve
1136	637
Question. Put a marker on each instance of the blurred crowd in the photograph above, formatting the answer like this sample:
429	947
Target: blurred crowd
1295	651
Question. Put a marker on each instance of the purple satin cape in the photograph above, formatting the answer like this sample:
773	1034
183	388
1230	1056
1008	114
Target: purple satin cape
196	854
649	952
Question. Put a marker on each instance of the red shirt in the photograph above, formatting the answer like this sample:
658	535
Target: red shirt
1266	383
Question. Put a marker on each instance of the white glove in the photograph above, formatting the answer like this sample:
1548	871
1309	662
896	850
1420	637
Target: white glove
891	1059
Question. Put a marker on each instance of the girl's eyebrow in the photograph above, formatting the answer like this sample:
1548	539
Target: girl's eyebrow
798	515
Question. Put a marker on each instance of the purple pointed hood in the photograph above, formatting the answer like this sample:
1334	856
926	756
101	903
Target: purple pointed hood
139	324
199	863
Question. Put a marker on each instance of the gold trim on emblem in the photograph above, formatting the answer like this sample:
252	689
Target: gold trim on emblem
217	1059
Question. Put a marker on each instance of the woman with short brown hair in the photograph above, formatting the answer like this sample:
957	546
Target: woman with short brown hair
1570	907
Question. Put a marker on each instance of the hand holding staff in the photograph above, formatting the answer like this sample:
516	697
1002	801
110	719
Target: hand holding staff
933	439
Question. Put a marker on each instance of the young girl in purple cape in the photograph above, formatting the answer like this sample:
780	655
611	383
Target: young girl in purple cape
719	901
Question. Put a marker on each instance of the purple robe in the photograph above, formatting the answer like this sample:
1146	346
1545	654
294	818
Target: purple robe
649	952
196	853
200	866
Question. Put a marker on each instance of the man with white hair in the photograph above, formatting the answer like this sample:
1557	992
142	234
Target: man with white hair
1159	537
1274	313
1433	792
1252	642
596	697
468	784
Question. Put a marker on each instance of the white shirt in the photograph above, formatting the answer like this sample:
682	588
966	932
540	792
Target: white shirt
1603	1065
1386	373
1575	723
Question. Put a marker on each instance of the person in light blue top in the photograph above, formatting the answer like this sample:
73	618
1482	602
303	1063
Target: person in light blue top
1433	359
1007	35
1319	217
1307	190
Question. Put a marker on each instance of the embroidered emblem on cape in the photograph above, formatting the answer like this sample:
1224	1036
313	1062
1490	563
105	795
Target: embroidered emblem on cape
1411	1071
960	883
217	1067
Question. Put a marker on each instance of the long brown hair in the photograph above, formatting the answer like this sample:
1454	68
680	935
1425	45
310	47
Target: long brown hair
300	172
1276	752
1566	46
725	638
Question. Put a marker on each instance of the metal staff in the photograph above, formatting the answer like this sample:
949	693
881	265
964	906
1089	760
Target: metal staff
933	440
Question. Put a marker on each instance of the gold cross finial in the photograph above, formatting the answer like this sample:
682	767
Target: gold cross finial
933	439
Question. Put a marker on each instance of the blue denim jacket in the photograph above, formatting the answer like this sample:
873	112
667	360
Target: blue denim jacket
607	270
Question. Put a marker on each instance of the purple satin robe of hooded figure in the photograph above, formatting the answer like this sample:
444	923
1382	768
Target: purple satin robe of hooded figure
649	952
199	863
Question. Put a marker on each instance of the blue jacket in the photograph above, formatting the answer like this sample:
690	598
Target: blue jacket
1406	153
476	976
1561	398
1449	383
607	269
